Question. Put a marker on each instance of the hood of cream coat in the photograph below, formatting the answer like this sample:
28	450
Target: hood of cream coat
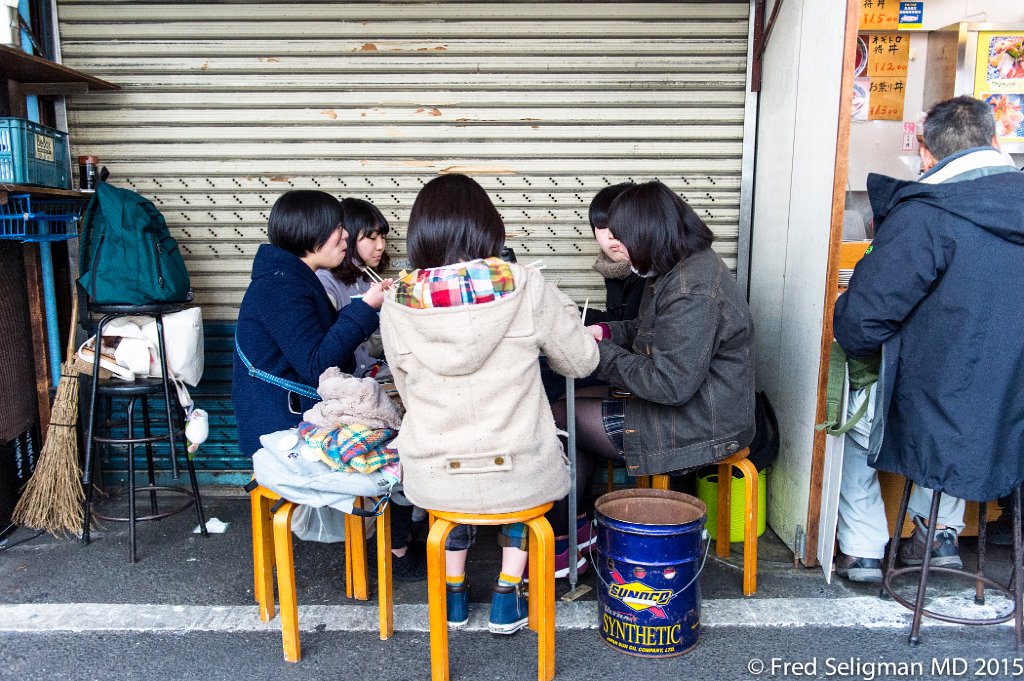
456	341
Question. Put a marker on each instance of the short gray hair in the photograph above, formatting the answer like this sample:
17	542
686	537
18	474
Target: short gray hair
957	124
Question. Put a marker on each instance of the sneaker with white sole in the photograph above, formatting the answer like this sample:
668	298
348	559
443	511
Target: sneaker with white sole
945	549
586	537
510	610
857	569
458	605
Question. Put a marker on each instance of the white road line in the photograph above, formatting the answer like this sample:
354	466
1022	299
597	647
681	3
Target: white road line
861	611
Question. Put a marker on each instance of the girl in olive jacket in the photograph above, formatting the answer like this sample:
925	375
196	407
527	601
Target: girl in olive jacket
687	360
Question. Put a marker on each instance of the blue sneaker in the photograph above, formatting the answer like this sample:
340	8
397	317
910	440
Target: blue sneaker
458	605
509	610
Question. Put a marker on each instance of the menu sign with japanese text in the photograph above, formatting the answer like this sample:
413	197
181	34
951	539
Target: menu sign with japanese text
880	76
879	15
885	99
888	54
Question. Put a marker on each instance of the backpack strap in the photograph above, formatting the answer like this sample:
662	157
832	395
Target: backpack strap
291	386
837	363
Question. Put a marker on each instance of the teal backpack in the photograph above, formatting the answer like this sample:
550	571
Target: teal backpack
127	256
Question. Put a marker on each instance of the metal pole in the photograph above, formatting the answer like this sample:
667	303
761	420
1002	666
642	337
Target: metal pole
570	417
50	302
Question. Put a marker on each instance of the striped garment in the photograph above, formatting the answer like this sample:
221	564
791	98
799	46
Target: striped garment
469	283
352	448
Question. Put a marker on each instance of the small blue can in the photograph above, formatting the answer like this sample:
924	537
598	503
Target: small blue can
648	565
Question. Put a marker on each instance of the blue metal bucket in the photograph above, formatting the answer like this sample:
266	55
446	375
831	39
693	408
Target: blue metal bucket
648	564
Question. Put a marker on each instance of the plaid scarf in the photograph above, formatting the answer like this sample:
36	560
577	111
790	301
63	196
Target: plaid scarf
352	448
470	283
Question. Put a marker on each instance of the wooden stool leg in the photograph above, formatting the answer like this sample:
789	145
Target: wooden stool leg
536	575
749	527
611	477
643	481
262	554
349	533
724	517
437	599
385	599
659	482
542	591
355	547
286	581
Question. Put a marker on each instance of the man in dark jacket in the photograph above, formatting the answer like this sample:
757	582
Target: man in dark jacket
938	295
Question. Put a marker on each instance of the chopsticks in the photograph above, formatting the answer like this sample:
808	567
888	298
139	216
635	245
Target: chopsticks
586	304
368	271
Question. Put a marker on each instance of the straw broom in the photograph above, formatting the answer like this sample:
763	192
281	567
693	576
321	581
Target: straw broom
53	498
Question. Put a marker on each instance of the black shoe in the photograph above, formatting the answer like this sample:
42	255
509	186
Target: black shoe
858	569
945	550
407	568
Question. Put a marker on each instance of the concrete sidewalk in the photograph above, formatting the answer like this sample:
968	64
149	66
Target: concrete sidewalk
184	584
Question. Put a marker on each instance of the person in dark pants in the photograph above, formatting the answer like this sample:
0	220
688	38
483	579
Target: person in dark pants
937	297
288	328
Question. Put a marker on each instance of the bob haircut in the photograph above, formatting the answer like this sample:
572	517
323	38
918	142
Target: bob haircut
603	201
657	227
302	220
453	220
361	219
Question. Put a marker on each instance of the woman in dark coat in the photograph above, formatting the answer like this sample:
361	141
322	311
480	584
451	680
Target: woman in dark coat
687	360
288	328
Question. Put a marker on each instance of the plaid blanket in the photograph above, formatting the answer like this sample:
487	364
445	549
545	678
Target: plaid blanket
470	283
353	448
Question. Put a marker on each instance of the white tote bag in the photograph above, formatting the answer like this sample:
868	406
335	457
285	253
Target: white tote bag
183	333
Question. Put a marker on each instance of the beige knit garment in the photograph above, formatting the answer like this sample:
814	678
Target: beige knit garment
478	435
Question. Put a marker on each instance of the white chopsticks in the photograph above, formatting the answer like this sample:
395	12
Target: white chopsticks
368	271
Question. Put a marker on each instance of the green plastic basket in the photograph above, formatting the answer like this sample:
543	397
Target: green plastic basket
31	153
707	491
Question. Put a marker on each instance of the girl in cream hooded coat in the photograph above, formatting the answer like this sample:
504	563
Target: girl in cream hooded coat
462	336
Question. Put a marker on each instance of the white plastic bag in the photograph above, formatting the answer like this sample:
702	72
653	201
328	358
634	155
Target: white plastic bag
325	524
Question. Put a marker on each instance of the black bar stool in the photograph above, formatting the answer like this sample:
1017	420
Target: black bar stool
1014	590
141	389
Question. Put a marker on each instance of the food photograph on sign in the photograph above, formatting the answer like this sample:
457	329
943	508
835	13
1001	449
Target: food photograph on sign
1006	58
1009	112
999	80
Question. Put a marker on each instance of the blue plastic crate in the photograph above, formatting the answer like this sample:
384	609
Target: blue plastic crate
23	218
31	153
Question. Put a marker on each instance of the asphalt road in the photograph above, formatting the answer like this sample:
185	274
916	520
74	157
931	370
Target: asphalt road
723	654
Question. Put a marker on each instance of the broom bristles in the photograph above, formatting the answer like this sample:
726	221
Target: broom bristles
53	499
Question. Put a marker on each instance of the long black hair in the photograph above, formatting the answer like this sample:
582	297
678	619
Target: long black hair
657	227
362	218
453	220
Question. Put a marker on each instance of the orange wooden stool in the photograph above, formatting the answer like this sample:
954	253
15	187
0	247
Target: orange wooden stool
722	546
541	591
272	546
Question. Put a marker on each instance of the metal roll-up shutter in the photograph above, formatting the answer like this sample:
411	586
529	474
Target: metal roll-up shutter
226	105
